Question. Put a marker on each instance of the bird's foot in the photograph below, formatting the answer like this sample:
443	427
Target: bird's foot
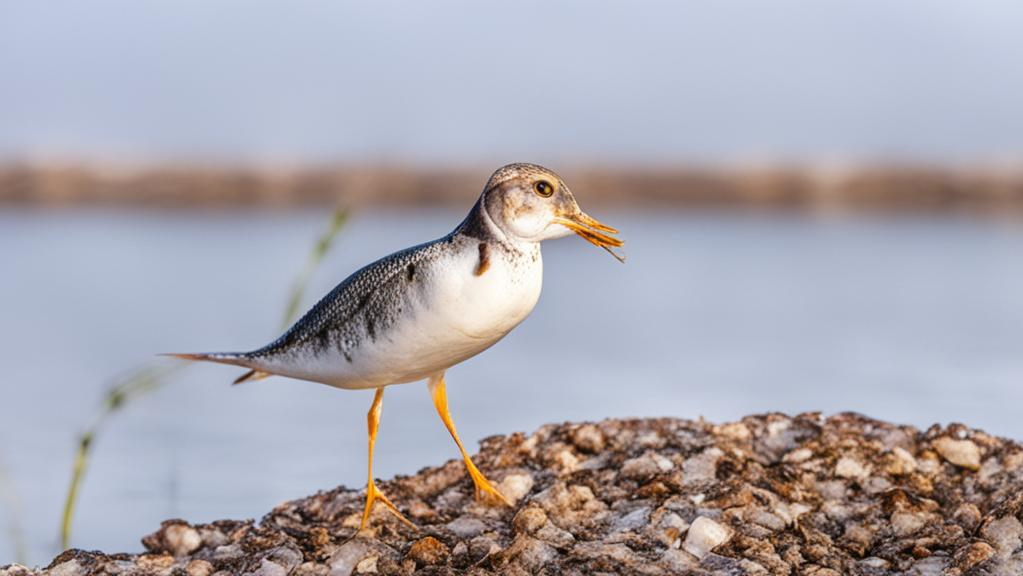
372	495
484	489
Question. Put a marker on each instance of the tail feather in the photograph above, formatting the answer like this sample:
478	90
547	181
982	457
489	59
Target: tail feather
251	375
233	359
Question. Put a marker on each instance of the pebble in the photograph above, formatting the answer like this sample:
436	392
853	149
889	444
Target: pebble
533	554
1004	533
466	526
311	569
268	568
705	535
798	455
640	468
631	521
347	557
367	565
702	467
588	438
516	486
850	468
181	539
428	551
931	566
903	462
69	568
651	497
962	453
529	519
974	554
906	523
199	568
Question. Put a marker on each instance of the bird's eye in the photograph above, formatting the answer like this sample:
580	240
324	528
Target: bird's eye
543	188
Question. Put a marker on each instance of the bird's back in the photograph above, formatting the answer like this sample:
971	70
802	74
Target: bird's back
328	340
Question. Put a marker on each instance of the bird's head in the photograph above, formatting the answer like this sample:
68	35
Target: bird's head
531	203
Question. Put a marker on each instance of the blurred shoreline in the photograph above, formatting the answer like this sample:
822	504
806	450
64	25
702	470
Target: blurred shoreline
868	188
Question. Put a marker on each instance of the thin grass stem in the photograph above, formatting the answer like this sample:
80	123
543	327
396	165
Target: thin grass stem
153	375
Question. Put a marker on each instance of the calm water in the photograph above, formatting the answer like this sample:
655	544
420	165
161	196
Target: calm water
912	320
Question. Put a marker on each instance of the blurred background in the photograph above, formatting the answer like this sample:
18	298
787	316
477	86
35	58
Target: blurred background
822	205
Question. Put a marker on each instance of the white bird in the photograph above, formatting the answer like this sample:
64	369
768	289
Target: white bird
412	315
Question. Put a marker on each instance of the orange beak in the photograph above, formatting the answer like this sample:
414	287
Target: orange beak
593	232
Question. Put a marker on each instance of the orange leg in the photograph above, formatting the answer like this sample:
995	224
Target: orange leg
372	492
440	400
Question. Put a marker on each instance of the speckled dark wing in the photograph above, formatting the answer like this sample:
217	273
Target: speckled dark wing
360	307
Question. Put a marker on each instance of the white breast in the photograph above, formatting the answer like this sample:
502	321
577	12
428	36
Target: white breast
454	314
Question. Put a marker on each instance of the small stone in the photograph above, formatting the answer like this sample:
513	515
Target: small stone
228	553
566	460
516	486
347	557
702	467
974	554
69	568
931	566
287	557
850	468
678	561
199	568
533	554
764	518
705	535
858	537
633	520
181	539
550	533
428	551
588	438
367	565
640	468
663	464
268	568
155	561
962	453
875	563
752	568
311	569
902	463
906	523
482	546
319	536
1004	533
529	519
734	431
798	455
466	526
16	570
968	516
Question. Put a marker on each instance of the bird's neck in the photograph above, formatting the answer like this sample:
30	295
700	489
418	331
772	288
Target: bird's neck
479	225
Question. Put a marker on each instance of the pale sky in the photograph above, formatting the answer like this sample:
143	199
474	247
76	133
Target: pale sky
304	81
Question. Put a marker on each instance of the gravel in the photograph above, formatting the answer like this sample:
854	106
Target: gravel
771	494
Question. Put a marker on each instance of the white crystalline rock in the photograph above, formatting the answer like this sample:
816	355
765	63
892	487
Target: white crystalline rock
704	536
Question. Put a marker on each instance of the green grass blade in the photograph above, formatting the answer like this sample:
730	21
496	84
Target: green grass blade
151	376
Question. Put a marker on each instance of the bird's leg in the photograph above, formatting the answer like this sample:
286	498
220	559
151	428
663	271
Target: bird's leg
440	400
372	492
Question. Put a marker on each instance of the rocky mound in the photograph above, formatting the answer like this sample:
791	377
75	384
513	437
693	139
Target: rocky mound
771	494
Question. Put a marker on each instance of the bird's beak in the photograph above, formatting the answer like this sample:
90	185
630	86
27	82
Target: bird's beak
593	232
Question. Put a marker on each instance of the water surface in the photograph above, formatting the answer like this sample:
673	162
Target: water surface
715	315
